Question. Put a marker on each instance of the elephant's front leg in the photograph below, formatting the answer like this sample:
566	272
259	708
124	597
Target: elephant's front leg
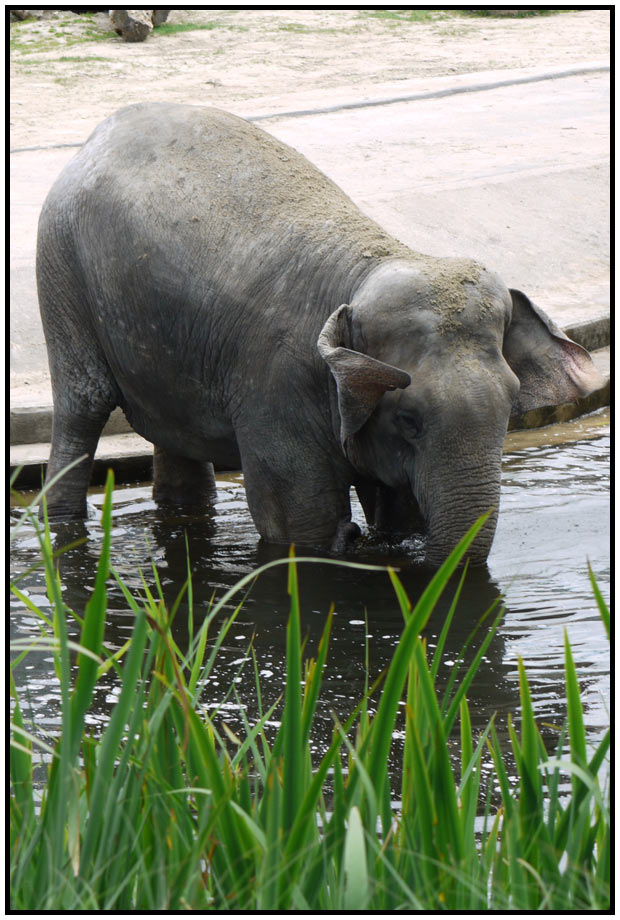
392	512
346	535
298	500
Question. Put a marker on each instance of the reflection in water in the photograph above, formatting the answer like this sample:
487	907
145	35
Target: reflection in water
554	516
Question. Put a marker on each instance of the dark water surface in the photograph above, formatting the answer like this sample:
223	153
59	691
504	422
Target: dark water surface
554	517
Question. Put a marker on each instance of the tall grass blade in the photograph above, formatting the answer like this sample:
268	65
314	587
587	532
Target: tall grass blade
468	790
531	788
20	768
576	728
448	826
356	882
93	627
271	865
419	806
441	641
313	681
600	602
293	749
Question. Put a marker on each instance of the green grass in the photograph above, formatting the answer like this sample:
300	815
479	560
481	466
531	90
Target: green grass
31	37
517	14
417	15
304	29
167	810
32	41
53	41
171	28
433	15
69	59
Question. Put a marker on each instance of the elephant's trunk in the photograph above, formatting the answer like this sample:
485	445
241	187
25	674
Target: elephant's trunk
459	500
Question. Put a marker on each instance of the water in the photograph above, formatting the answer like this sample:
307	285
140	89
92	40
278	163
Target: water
554	518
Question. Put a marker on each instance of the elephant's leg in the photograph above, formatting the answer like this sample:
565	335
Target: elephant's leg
182	481
83	386
75	434
297	499
394	512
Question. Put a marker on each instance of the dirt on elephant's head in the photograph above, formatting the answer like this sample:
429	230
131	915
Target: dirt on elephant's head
447	282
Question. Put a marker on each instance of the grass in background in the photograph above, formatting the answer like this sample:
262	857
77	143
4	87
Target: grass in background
171	28
164	811
517	13
400	15
32	41
31	35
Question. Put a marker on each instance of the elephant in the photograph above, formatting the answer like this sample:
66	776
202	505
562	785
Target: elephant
243	312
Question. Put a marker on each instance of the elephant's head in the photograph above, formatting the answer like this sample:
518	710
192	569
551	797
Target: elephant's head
430	360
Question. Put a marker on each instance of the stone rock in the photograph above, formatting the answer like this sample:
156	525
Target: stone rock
132	25
20	15
159	16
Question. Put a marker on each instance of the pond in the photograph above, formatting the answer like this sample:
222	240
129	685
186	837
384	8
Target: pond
554	517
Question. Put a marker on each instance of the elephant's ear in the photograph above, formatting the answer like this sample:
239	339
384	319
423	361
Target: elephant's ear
361	380
551	368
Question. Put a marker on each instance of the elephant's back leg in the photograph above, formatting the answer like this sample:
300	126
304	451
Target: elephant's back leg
181	480
75	434
83	387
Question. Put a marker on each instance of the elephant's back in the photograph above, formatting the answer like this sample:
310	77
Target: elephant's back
207	172
205	157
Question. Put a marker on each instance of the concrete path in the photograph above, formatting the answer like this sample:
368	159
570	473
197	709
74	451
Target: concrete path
508	167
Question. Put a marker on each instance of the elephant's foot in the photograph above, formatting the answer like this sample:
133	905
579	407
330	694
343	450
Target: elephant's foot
346	535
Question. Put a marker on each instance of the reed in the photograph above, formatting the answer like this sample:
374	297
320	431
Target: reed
163	811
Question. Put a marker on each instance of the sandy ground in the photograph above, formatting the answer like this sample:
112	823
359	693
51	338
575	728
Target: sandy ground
68	72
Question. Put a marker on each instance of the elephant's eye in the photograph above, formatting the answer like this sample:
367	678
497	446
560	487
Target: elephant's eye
410	423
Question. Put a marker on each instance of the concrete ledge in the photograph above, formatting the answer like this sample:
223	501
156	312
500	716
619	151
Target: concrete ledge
583	428
591	334
129	455
551	415
33	424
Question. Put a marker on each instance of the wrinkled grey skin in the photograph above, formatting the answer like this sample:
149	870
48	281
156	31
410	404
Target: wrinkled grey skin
242	311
